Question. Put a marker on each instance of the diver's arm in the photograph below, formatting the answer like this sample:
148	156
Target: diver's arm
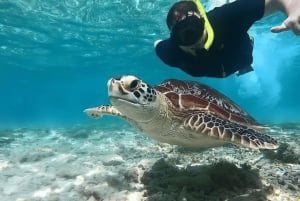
291	8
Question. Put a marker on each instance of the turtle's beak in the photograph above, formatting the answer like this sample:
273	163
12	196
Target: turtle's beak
115	85
115	88
117	93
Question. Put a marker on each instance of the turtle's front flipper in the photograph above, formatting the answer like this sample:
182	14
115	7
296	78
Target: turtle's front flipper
97	112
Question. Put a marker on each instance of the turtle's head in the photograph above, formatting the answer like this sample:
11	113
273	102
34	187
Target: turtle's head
133	97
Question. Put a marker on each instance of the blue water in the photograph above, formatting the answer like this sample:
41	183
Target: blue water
56	58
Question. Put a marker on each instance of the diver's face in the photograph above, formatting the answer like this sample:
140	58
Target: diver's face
191	49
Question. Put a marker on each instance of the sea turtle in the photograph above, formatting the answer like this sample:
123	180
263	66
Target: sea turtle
185	113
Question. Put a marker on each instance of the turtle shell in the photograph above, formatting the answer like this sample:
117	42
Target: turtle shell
194	96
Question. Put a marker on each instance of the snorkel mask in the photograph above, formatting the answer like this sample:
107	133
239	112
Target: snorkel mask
207	25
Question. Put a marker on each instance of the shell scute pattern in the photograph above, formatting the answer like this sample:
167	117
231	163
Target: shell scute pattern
192	95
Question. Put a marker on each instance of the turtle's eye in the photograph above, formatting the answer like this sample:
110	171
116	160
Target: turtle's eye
134	84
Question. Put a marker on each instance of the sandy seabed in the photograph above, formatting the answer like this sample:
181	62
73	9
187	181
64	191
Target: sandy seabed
117	163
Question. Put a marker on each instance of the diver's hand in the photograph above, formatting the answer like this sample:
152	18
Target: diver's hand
288	24
292	22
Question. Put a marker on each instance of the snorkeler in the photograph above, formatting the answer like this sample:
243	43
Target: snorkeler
216	43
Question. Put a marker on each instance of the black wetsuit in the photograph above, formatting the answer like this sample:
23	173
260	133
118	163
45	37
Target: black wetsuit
231	49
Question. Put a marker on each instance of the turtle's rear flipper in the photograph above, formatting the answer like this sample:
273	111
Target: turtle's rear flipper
222	129
97	112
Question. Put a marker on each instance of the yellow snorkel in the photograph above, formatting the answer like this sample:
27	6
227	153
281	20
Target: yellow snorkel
208	28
